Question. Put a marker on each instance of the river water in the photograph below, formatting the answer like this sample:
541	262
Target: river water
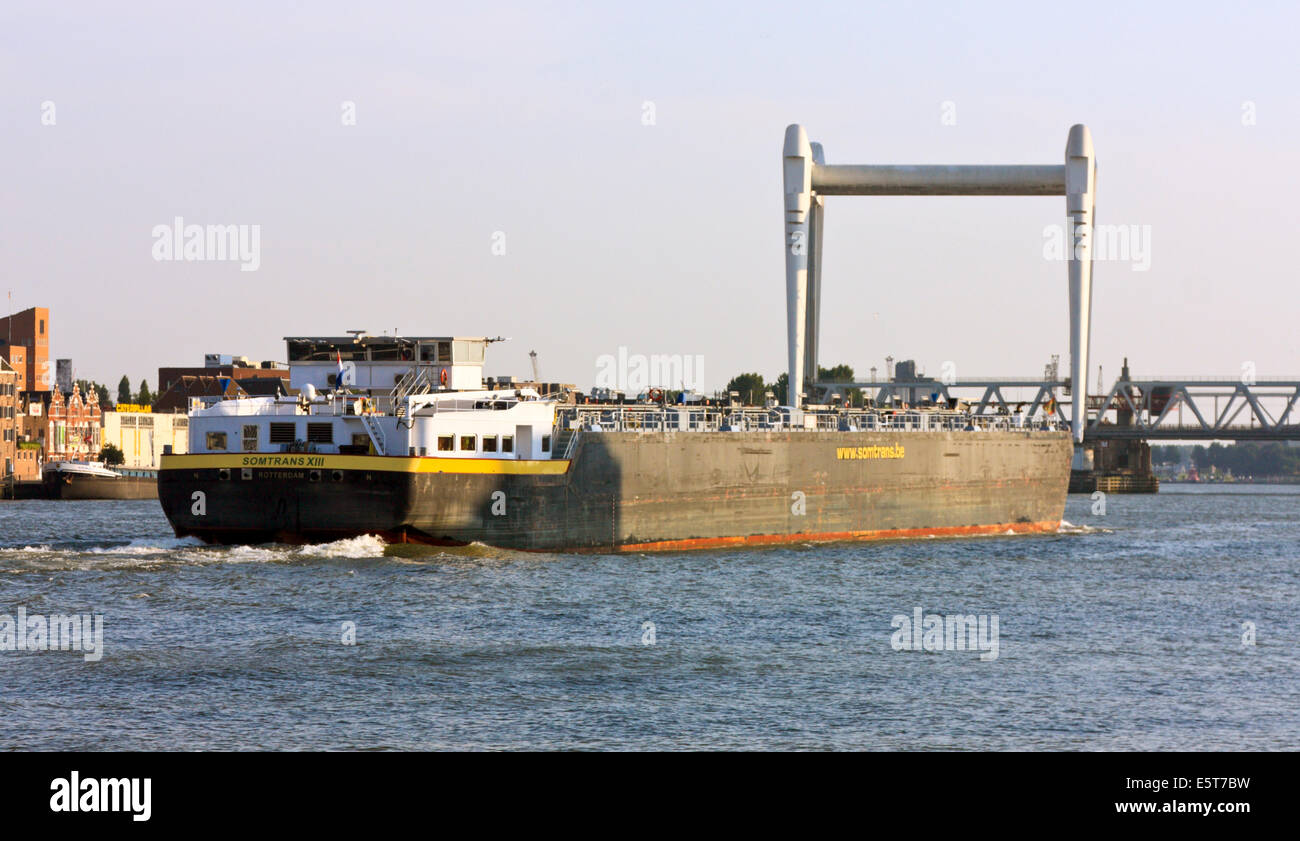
1128	630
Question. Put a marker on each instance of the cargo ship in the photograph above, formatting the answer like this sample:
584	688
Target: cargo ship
399	437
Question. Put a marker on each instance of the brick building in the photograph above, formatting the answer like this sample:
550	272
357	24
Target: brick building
184	389
72	427
9	433
25	342
168	377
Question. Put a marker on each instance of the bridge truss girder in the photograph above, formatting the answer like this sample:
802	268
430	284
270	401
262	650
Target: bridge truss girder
1138	398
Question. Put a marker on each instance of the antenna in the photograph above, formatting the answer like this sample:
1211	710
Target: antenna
532	356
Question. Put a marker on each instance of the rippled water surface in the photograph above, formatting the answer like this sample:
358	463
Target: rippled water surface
1123	632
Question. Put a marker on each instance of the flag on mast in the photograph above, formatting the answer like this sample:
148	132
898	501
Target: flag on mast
338	379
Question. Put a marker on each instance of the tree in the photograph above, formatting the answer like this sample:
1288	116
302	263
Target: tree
841	374
111	455
781	388
750	388
1250	459
124	390
143	397
91	390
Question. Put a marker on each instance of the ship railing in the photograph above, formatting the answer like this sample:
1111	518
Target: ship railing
444	404
748	419
572	446
415	382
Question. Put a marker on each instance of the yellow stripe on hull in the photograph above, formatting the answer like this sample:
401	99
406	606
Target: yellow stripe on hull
393	464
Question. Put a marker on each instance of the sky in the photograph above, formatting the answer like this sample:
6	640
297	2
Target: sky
580	178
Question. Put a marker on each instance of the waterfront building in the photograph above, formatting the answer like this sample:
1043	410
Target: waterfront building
186	391
142	435
25	342
8	420
72	426
238	368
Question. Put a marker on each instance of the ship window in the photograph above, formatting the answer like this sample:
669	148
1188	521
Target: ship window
250	437
306	350
546	443
216	440
444	443
489	443
320	433
282	433
468	444
507	443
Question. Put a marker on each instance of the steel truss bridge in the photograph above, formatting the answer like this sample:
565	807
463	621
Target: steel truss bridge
1179	409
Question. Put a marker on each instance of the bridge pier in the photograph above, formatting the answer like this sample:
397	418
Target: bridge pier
1113	466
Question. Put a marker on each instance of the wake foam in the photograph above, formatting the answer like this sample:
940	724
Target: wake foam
1067	527
365	546
147	546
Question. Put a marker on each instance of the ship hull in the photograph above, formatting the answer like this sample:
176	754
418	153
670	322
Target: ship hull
70	486
624	491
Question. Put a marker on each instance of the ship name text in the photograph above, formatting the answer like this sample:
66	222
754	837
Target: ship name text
852	453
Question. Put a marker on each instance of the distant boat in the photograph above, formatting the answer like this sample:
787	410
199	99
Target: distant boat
92	480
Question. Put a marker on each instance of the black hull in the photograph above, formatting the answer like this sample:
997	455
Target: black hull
70	486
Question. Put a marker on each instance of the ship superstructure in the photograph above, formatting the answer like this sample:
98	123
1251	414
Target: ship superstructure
383	397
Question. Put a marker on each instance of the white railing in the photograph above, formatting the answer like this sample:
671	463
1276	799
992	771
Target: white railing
663	419
572	446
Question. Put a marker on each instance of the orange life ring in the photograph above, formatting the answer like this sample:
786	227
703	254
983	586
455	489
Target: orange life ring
442	378
655	395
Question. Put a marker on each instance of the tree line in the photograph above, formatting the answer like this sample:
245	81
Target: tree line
752	389
1246	459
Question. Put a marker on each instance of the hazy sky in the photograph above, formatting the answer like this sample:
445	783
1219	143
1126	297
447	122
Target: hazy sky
474	118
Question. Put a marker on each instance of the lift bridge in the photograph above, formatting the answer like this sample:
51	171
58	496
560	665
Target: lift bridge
1183	408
